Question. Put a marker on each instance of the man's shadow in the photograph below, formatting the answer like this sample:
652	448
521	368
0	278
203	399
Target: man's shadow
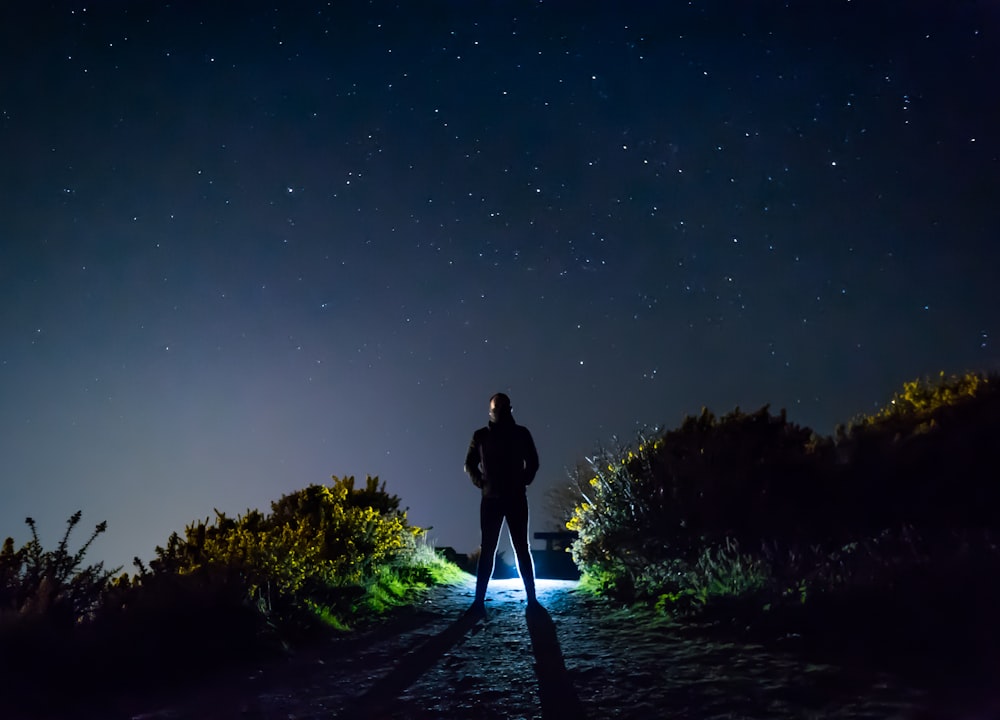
556	693
555	689
380	699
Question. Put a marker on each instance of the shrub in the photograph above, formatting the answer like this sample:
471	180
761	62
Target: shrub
224	593
741	478
315	555
750	505
53	584
922	398
46	597
720	573
925	460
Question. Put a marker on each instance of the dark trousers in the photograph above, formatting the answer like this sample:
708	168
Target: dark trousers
492	512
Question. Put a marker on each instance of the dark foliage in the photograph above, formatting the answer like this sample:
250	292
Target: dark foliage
226	593
752	504
54	583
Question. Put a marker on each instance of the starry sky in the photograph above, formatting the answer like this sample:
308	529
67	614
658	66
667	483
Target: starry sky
245	247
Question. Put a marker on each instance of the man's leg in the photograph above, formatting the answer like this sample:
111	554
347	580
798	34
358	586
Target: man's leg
517	526
490	521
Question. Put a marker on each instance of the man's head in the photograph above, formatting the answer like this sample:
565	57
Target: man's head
499	407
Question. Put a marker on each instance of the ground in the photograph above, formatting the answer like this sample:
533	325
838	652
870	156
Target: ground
576	657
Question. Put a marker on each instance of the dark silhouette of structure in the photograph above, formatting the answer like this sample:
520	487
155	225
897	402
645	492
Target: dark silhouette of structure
555	562
502	461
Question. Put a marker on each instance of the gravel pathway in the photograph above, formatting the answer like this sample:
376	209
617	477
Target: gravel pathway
576	658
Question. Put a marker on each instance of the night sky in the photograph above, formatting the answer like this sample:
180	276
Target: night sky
243	249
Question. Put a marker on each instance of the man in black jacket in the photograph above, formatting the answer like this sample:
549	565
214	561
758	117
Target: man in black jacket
502	462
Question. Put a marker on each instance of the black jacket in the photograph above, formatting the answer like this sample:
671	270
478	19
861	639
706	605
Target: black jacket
502	459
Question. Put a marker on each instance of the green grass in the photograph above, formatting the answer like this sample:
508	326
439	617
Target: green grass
391	586
327	618
439	570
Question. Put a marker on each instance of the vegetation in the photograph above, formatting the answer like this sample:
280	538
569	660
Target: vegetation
879	532
35	583
325	559
750	517
320	553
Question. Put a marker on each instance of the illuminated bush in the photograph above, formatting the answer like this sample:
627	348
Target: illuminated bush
225	592
750	504
927	458
318	549
920	399
742	477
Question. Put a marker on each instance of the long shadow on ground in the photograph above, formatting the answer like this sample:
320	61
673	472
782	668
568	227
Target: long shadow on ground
555	690
380	699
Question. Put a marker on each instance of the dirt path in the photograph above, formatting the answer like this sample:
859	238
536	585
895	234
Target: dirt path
576	658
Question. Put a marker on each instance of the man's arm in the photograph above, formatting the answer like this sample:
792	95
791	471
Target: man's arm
472	463
530	458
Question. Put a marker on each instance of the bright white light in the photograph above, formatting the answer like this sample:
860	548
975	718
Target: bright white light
511	590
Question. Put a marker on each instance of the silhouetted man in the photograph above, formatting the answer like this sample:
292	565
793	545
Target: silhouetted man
502	462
